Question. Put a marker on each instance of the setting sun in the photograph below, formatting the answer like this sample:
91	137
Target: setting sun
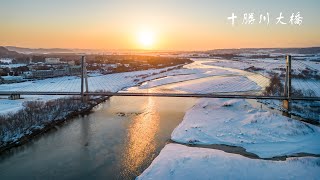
146	39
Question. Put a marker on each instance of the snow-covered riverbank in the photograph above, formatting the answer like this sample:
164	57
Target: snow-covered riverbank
181	162
38	117
237	123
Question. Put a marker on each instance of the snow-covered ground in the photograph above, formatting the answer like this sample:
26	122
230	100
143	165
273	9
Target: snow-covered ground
268	65
305	109
307	85
181	162
199	77
7	106
217	84
11	106
184	75
237	123
110	82
11	65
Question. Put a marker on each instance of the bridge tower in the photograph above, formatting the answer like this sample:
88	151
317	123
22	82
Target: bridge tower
84	80
287	86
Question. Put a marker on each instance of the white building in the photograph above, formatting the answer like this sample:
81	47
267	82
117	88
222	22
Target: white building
67	71
72	63
111	66
6	60
52	60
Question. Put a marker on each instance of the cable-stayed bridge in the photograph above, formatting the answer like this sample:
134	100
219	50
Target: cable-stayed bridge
248	84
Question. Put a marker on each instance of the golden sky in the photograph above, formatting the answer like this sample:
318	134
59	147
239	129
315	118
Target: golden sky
157	25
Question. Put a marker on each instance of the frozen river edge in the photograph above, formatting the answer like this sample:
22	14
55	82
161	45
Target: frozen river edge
181	162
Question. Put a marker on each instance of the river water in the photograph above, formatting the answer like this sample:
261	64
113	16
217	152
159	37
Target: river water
118	141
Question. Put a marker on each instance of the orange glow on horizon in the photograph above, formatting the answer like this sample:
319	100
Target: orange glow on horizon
152	25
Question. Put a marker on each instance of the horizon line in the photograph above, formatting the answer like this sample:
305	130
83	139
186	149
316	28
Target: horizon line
158	50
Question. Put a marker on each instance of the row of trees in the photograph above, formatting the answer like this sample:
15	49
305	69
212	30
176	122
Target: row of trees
36	115
15	71
306	109
276	88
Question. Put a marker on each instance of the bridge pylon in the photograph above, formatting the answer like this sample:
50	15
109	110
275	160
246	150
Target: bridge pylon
287	86
84	80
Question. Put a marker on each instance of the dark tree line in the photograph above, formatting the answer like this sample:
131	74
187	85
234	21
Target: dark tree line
36	115
276	88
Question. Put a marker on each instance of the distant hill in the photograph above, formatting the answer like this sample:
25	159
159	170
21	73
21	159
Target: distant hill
38	50
308	50
53	50
5	53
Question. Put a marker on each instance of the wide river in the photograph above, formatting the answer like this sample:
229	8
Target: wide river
118	141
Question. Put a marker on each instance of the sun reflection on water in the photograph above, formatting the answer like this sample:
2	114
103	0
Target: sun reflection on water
140	145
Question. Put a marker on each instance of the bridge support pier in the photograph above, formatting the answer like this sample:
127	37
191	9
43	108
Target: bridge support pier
84	80
14	96
286	104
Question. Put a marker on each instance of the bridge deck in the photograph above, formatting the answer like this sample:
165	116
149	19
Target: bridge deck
234	96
